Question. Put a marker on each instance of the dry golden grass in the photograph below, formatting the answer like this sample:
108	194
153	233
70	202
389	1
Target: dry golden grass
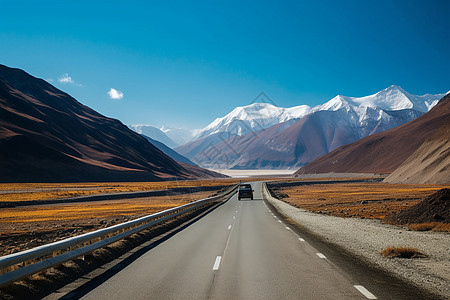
30	226
97	209
402	252
368	200
442	227
48	191
434	226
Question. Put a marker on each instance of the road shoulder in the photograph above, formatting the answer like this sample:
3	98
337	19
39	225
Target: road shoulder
366	238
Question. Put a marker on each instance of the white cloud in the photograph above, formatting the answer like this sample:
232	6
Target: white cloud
115	94
65	78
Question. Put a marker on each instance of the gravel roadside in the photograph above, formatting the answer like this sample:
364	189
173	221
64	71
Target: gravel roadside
366	238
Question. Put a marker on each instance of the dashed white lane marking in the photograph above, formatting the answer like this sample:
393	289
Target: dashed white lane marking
217	263
301	240
229	227
236	211
288	228
321	255
279	221
234	217
365	292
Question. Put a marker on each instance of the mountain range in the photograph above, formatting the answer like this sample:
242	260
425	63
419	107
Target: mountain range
169	151
154	133
262	135
46	135
416	152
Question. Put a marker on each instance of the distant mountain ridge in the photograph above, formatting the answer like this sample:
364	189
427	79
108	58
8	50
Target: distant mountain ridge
305	134
47	136
180	136
416	152
169	151
245	119
154	133
257	116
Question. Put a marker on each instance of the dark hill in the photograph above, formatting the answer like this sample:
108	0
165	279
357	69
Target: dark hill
434	208
46	135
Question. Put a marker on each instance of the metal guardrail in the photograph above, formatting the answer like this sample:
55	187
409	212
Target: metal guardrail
58	252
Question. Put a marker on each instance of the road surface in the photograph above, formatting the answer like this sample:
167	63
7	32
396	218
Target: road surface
241	250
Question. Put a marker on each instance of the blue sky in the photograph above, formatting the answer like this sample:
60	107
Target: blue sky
184	63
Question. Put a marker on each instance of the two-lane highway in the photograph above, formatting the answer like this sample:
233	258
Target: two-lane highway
241	250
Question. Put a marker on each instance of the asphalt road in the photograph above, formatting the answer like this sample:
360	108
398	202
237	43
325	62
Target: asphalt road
241	250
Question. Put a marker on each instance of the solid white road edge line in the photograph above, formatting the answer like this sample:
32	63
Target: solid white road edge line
365	292
229	227
217	263
321	255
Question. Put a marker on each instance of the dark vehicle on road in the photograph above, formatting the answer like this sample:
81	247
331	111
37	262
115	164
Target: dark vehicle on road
245	191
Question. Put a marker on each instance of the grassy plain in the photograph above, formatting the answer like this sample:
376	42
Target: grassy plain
363	200
48	191
30	226
97	209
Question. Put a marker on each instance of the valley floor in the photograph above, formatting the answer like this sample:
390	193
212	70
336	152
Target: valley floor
369	199
253	173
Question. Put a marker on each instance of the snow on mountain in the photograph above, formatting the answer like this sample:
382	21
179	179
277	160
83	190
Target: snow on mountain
384	110
154	133
306	133
180	136
257	116
245	119
396	98
391	98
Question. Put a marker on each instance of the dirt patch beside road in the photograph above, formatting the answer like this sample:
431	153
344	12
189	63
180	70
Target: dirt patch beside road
432	213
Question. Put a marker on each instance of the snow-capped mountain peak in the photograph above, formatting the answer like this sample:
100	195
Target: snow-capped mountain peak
339	121
253	117
335	103
179	135
154	133
245	119
390	99
396	98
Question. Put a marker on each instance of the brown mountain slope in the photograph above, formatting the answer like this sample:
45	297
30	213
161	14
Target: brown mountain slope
46	135
383	152
430	163
308	138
